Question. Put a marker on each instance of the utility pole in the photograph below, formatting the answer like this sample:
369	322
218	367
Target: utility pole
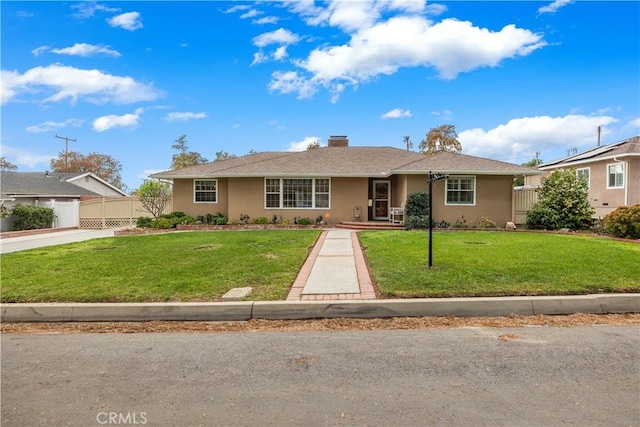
66	150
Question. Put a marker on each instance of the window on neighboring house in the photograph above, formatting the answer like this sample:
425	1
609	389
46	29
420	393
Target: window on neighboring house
205	190
583	174
461	190
615	177
298	193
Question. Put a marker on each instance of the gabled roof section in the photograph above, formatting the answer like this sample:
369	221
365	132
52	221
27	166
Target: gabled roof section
624	148
455	163
39	184
74	177
346	162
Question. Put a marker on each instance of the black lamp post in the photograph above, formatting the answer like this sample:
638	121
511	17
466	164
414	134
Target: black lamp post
432	178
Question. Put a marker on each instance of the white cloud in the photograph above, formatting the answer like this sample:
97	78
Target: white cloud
85	49
129	120
22	157
380	46
39	50
50	125
279	36
554	6
302	145
184	116
147	172
24	14
632	126
129	21
290	82
396	113
252	13
524	136
266	20
62	82
238	8
88	9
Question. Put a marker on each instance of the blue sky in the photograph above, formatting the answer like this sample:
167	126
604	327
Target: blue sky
128	78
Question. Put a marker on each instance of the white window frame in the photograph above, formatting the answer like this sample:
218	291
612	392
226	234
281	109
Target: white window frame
195	191
446	190
609	187
588	175
281	194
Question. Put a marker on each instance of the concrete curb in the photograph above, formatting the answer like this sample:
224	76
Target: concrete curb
297	310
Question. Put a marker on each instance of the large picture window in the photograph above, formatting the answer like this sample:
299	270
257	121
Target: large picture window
461	191
615	178
205	190
297	193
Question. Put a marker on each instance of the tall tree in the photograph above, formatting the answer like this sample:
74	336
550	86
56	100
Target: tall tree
6	165
441	138
407	142
185	158
102	165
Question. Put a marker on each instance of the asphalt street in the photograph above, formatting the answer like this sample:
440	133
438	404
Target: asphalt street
533	376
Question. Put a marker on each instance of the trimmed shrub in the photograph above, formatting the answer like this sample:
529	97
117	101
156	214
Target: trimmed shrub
302	221
32	217
261	220
563	202
163	223
624	222
416	211
144	222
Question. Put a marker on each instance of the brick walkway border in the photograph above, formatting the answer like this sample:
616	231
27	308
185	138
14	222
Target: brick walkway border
367	292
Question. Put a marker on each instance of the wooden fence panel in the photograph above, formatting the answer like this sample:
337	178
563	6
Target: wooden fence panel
523	200
113	212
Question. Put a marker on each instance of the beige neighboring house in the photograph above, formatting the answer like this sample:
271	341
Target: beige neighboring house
345	184
612	173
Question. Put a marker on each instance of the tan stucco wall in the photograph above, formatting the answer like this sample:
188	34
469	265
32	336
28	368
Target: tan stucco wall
246	196
238	196
494	196
183	198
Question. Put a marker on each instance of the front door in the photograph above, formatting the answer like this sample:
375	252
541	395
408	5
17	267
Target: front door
381	199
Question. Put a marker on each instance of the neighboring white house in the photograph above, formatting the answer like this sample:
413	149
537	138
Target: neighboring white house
60	191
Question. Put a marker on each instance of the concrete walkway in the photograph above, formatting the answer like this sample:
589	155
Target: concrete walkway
335	270
14	244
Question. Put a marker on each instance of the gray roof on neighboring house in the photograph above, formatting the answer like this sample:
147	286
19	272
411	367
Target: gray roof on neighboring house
346	161
38	184
624	148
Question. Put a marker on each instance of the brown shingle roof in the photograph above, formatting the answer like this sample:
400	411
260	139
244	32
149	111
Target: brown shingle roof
447	162
345	161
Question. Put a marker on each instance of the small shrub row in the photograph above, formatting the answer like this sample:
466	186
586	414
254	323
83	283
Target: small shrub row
165	221
32	217
212	219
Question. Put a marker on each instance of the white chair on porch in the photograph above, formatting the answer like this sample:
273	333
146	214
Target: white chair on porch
396	214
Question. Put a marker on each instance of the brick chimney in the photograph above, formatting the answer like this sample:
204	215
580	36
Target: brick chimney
338	141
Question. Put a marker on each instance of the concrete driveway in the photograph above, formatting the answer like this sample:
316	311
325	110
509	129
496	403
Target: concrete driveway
15	244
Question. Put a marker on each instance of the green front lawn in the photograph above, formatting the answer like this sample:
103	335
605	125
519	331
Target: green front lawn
476	263
193	266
